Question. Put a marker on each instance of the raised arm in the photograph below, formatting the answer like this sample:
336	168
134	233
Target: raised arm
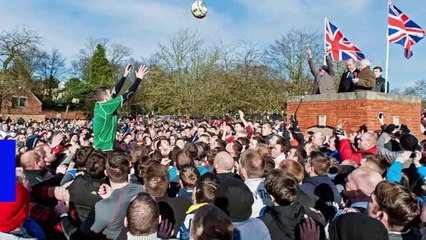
295	130
243	120
312	67
245	123
388	155
394	171
140	74
119	85
330	66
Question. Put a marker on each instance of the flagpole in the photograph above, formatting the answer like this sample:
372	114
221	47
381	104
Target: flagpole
387	55
325	32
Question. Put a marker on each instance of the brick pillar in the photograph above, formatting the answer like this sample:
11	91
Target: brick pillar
357	109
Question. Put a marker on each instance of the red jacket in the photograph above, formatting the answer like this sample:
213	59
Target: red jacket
348	153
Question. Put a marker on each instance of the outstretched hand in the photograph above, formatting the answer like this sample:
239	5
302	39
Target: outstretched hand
241	114
404	157
127	70
143	70
417	158
309	52
61	193
326	51
57	140
341	125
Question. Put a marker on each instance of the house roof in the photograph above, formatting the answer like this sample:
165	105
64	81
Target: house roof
24	88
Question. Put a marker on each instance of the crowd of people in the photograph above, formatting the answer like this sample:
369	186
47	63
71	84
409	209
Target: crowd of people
213	179
175	178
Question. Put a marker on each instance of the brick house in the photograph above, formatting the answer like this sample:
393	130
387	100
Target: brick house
21	102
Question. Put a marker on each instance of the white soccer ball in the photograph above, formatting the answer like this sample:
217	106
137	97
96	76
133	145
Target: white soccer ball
199	9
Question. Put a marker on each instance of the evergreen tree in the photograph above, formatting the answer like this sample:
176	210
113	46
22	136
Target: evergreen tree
100	71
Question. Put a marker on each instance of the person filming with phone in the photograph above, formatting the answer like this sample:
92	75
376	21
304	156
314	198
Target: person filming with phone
399	134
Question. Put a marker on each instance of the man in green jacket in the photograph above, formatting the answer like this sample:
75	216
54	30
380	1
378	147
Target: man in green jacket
105	112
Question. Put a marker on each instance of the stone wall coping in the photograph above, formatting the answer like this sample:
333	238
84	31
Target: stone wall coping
365	95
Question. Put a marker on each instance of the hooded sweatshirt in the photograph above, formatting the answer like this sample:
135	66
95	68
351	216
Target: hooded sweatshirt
283	221
326	193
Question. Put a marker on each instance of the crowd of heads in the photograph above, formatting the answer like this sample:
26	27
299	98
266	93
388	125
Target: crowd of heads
216	179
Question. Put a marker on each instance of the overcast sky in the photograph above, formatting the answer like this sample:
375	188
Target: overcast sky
141	24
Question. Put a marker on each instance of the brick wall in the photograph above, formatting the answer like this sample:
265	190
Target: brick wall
63	115
357	109
26	117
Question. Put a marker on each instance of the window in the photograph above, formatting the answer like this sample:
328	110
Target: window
21	102
15	102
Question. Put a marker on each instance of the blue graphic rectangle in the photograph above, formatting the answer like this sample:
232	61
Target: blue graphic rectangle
7	171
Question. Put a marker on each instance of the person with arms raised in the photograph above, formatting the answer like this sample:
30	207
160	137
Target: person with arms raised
324	77
105	112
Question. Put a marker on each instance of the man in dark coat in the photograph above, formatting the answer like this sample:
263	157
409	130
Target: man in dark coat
320	186
346	84
284	219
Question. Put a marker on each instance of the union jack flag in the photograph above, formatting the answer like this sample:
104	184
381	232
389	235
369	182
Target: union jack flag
338	46
402	30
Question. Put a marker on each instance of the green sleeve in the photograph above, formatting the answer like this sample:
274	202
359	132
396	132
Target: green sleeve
112	105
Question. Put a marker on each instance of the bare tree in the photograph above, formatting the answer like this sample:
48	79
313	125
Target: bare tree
248	58
16	43
418	89
184	47
118	56
52	65
287	57
16	50
51	70
227	56
249	53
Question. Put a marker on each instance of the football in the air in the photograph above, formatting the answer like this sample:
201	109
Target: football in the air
199	9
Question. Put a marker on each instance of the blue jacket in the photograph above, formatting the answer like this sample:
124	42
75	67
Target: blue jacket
394	175
394	172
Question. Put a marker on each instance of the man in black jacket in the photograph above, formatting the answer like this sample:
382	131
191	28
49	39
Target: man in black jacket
224	166
284	219
173	210
106	218
346	84
320	186
83	192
